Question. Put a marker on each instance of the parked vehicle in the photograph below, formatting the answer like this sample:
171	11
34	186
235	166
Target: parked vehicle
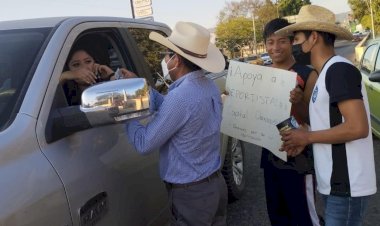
254	60
359	35
370	69
72	165
266	59
240	59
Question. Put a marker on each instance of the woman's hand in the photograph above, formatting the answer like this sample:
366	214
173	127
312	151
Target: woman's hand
103	70
82	76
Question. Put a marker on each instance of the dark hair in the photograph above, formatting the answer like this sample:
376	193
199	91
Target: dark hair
274	25
73	51
328	38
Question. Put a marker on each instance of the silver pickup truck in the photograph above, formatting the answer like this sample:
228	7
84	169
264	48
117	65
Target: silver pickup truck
63	164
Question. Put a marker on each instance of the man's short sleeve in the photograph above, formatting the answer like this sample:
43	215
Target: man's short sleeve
343	82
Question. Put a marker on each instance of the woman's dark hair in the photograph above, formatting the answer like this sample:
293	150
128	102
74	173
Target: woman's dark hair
75	49
274	25
94	45
328	38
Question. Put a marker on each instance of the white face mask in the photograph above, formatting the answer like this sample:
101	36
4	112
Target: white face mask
165	70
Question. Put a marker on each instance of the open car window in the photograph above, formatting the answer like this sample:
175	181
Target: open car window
103	46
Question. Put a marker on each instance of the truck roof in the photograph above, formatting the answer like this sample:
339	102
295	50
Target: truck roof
54	21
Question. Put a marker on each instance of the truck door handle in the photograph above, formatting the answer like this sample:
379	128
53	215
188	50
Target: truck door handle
94	209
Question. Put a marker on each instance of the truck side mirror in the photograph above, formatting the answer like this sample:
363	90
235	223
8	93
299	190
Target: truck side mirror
374	76
102	104
116	101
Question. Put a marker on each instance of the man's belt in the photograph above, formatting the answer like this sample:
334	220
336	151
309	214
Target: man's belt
206	179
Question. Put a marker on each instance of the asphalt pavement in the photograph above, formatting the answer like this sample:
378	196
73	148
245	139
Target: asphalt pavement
250	210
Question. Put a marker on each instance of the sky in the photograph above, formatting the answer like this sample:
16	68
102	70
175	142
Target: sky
203	12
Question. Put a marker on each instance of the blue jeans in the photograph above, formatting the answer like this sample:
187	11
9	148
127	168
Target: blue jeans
344	211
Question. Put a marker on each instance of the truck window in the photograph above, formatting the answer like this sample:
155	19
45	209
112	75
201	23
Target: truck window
102	48
151	51
377	63
368	61
18	53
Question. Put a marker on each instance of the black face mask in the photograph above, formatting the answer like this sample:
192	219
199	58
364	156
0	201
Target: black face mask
300	56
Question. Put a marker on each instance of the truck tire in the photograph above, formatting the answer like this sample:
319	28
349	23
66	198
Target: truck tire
234	169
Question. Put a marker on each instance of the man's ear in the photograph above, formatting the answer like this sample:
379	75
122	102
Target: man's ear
314	35
178	58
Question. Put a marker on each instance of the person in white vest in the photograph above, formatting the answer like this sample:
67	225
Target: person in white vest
339	120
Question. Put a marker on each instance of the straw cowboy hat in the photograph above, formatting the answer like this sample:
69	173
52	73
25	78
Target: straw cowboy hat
316	18
192	41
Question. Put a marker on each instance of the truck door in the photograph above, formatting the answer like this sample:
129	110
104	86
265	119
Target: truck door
106	181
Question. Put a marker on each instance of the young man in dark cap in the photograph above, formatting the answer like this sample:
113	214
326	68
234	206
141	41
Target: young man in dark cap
289	186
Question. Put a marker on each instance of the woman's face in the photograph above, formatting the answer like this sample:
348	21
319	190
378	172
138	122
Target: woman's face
81	59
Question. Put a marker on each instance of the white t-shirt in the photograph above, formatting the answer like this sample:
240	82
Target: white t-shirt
346	169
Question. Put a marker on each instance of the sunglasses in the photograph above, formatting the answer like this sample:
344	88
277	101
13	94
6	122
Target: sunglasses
164	53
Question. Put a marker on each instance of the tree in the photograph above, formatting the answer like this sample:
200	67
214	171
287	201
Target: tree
238	9
235	26
234	32
361	12
235	20
291	7
264	14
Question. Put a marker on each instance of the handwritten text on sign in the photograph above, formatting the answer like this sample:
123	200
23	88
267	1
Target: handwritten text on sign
258	100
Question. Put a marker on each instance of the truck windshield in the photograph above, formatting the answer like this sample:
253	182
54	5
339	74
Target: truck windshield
18	52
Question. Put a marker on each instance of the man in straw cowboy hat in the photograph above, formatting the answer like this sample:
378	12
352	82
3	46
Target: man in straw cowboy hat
339	120
186	128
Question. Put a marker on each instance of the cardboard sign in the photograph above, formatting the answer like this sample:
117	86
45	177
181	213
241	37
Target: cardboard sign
258	100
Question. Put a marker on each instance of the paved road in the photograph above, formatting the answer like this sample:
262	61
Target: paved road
251	209
346	49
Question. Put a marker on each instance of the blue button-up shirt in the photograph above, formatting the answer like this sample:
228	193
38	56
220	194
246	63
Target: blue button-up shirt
186	128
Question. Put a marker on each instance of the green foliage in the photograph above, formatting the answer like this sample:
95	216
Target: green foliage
264	14
376	14
235	26
359	8
146	46
361	12
291	7
241	8
366	22
236	31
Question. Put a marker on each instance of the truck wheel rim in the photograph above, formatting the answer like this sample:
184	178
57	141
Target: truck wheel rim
237	161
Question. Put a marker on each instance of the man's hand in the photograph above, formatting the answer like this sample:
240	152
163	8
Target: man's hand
294	140
224	95
296	95
127	74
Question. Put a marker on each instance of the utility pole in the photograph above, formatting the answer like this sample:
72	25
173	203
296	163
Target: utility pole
369	5
373	24
254	31
278	15
133	9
